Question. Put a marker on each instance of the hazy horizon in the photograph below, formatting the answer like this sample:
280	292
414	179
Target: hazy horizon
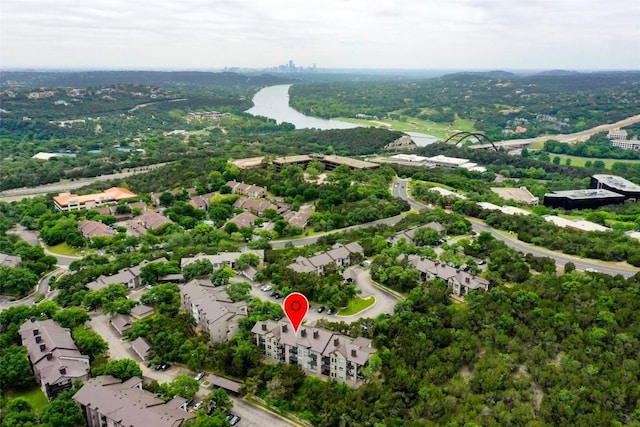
334	34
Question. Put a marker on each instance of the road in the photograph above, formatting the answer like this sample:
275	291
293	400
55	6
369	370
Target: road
559	258
569	138
17	194
385	302
305	241
252	416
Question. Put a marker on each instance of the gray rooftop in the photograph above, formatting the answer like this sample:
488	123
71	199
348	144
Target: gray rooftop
617	182
585	194
128	405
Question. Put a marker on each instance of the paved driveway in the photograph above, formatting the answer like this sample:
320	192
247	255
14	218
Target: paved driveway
385	302
118	349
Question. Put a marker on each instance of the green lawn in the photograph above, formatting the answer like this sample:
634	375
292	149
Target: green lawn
35	397
63	249
412	124
580	161
356	305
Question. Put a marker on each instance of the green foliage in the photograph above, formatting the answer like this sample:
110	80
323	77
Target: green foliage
72	317
89	342
63	412
18	413
16	371
239	291
17	281
122	369
182	385
198	268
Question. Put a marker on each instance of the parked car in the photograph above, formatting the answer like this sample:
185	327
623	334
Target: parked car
320	309
165	366
330	311
365	263
199	376
272	293
266	288
590	270
197	406
277	296
235	420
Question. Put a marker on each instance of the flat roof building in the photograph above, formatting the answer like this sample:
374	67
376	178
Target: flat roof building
520	195
575	224
617	184
582	199
72	201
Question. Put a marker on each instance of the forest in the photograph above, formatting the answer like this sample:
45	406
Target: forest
494	102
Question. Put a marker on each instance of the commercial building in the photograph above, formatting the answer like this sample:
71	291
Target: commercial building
575	224
106	401
519	195
508	210
631	144
53	355
71	201
212	309
315	350
616	184
582	199
330	162
455	162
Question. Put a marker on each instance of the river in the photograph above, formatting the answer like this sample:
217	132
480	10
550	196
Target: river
273	102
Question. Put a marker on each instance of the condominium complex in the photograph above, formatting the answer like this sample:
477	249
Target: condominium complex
54	357
316	350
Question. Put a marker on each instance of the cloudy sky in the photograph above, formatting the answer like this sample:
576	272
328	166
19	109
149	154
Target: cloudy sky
411	34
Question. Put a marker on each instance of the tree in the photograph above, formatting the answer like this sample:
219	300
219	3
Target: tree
239	291
246	260
89	342
18	413
62	412
199	268
556	160
426	236
219	399
183	386
221	277
72	317
123	369
569	267
16	371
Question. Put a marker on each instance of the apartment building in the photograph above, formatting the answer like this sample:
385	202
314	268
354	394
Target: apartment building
341	255
222	259
106	401
460	281
53	355
212	309
316	350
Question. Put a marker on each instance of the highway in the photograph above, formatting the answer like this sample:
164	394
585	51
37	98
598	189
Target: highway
559	258
569	138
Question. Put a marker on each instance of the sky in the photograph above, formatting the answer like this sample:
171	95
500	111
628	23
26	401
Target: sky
389	34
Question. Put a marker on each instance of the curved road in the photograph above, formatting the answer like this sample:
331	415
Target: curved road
559	258
569	138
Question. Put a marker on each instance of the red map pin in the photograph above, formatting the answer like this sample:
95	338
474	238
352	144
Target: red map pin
295	306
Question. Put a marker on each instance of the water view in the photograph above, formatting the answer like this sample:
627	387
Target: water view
273	102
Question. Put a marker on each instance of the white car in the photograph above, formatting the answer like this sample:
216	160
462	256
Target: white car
266	288
197	406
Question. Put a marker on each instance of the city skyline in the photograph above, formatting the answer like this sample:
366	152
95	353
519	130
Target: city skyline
336	34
